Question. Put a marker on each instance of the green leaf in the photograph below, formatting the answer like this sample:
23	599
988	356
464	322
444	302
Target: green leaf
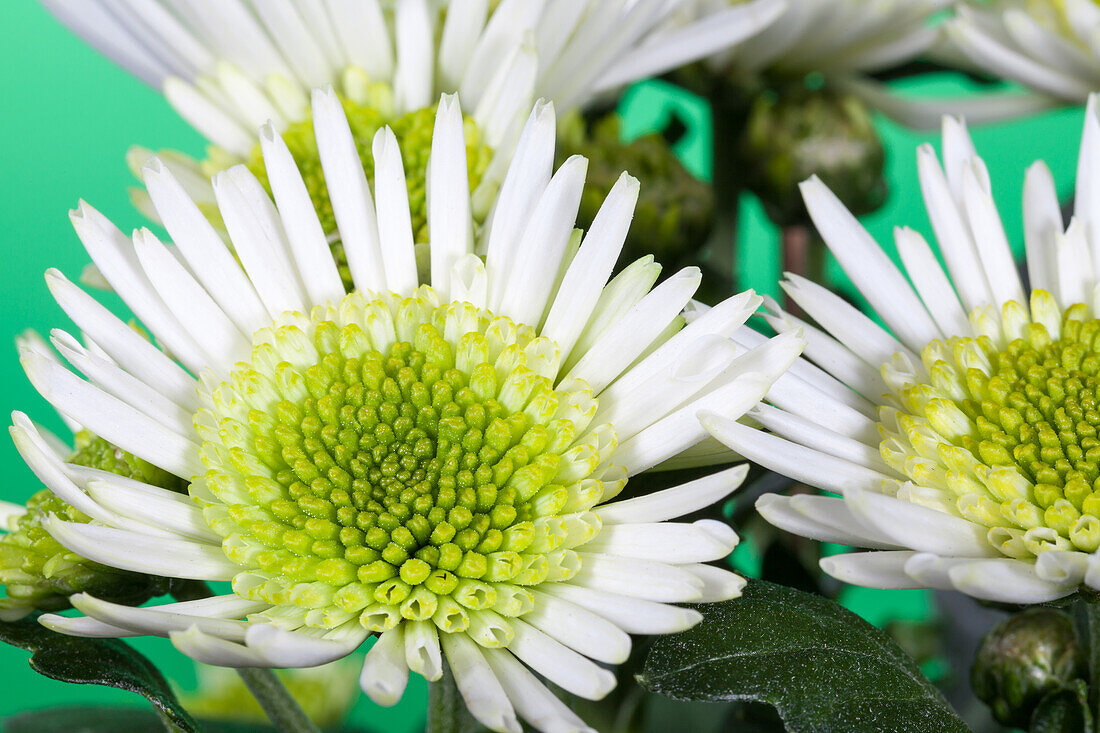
823	668
87	719
1063	711
109	662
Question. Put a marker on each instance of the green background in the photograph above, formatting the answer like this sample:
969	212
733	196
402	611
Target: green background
70	115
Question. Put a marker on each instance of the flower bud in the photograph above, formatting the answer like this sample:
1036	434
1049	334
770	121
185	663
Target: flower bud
1022	659
792	136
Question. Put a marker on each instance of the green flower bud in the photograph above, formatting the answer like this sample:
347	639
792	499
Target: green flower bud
40	574
675	209
799	133
1022	659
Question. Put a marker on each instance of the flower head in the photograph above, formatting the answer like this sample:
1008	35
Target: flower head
963	440
1047	45
430	458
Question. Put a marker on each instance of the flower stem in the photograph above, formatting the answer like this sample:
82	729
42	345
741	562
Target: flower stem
281	708
1088	625
447	711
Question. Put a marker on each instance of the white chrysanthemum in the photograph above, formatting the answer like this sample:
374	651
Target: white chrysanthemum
431	462
228	66
1050	46
846	41
963	440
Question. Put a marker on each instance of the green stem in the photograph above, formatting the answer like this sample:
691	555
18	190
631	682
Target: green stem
1088	625
276	700
728	120
447	711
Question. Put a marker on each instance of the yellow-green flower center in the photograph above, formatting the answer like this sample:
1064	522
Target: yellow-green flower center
396	458
413	131
1007	434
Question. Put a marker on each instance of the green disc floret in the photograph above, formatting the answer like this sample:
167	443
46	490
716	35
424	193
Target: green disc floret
1020	423
398	471
413	131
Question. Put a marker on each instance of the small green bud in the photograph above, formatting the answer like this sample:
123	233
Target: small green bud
799	133
1022	659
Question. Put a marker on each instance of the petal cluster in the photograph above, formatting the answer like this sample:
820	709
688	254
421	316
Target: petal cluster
228	67
1050	47
431	457
961	437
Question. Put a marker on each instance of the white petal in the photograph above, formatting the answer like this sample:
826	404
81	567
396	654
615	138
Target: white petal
153	506
412	80
803	432
525	285
623	342
1042	223
872	569
283	648
480	688
918	527
215	650
112	419
308	247
663	582
392	207
1005	580
449	219
559	664
113	254
160	620
632	615
352	204
527	177
140	553
675	502
661	541
579	629
792	460
839	527
718	584
931	283
253	225
202	318
422	649
592	265
385	671
124	345
531	698
869	267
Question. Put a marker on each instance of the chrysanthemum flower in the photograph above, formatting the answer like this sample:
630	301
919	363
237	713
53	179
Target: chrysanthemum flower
229	67
433	463
962	437
846	41
1048	45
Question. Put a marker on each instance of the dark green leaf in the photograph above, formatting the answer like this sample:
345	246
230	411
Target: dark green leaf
109	662
1063	711
822	667
85	719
